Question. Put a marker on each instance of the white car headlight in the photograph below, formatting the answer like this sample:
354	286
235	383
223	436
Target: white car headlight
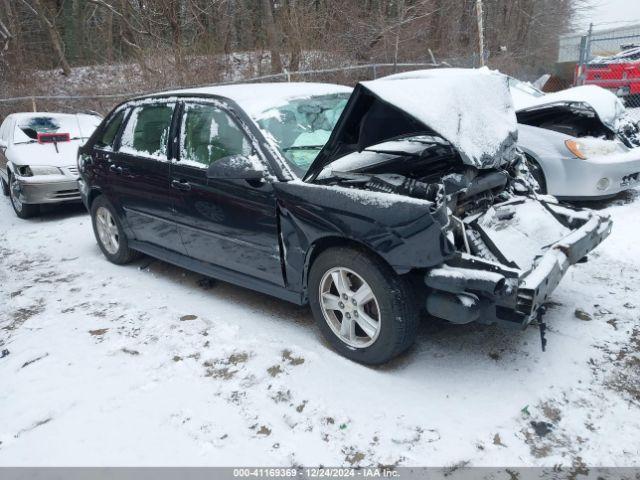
35	170
593	147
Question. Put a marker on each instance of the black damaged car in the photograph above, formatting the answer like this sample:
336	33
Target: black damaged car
372	205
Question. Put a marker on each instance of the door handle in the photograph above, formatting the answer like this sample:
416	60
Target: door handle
181	185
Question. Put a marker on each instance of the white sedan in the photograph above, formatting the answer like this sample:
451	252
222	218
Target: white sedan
38	158
580	142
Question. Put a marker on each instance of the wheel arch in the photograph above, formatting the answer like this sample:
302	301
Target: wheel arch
93	194
323	244
533	158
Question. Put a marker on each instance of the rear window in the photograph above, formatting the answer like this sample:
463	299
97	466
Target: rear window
108	137
147	131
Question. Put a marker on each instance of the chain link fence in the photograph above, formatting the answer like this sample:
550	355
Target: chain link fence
104	102
611	59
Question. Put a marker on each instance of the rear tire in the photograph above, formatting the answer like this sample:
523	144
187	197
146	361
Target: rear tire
23	210
109	232
376	330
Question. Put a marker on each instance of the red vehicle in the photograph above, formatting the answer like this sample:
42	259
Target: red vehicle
618	73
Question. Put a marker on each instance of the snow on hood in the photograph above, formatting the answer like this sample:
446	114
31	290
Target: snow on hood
607	106
45	154
471	109
78	125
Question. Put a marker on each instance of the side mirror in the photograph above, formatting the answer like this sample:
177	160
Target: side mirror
236	167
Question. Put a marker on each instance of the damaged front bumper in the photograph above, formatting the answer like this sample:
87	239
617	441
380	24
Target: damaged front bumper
496	289
536	286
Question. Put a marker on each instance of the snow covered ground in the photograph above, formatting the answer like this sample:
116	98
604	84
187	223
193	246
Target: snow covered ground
150	364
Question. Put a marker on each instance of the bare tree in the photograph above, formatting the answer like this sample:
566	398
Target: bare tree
46	17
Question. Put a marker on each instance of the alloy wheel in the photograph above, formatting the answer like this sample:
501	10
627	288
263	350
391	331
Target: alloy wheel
107	230
350	307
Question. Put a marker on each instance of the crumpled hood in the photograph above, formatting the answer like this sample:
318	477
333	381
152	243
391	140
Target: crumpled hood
471	109
605	104
45	154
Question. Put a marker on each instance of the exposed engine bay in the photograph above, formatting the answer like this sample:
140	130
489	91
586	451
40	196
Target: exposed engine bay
434	172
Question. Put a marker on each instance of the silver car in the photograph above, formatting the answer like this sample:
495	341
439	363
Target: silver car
38	158
580	143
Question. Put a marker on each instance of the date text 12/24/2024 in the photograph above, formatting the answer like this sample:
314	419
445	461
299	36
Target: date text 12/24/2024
320	472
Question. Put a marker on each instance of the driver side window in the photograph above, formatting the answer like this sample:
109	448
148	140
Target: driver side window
207	134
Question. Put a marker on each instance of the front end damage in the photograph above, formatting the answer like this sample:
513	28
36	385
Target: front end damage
504	270
502	249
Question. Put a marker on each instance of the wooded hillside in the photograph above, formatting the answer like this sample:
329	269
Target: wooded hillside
184	42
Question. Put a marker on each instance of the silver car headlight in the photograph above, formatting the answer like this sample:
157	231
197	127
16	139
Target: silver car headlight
36	170
586	148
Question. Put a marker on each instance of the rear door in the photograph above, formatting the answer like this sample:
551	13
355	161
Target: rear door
229	223
139	175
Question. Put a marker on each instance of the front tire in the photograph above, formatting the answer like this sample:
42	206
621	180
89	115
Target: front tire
23	210
109	232
364	310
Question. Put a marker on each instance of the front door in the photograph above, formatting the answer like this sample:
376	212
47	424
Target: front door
139	173
229	223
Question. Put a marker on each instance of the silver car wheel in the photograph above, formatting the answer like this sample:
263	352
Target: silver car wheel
349	307
14	191
107	230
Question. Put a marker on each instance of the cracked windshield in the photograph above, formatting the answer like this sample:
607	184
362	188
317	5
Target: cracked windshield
301	127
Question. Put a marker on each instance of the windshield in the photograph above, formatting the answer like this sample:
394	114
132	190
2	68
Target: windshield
525	87
301	127
77	126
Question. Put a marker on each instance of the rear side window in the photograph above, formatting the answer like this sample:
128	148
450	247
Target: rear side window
147	131
209	134
108	137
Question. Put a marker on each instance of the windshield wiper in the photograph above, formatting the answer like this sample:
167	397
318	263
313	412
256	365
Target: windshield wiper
303	147
36	141
400	153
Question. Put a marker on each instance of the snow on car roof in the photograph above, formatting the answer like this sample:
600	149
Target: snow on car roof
255	98
471	108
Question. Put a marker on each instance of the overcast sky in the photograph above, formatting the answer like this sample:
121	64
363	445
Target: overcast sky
609	13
